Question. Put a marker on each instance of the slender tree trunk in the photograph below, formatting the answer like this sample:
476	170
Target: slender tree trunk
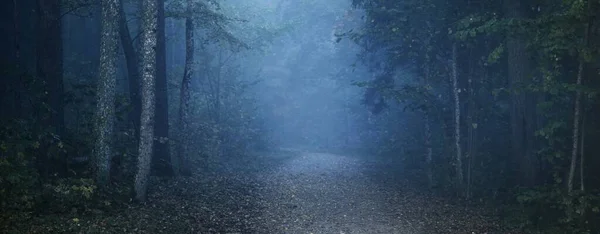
459	169
105	110
50	59
161	162
576	119
577	110
427	132
523	103
218	135
184	98
49	66
133	71
472	116
582	155
17	33
428	151
11	87
471	143
149	42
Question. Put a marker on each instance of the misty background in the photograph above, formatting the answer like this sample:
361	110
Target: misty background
299	116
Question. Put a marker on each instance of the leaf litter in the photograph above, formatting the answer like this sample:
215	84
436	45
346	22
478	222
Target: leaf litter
283	192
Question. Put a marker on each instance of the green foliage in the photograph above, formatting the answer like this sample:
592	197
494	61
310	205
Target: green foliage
65	194
496	54
18	177
17	181
23	188
553	35
551	208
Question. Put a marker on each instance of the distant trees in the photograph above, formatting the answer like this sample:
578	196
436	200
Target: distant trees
185	92
161	161
49	65
517	78
69	124
133	70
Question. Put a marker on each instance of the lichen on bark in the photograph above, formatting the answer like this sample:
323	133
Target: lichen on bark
105	109
148	61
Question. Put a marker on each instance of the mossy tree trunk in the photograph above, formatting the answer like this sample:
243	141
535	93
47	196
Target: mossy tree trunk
457	137
105	110
149	41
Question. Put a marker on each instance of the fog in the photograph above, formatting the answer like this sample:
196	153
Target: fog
299	116
301	71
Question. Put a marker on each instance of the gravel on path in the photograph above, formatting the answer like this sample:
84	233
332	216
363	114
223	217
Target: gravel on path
328	193
288	191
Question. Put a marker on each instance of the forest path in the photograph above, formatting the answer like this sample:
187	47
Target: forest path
327	193
285	191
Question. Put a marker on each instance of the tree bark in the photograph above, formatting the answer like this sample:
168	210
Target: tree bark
427	132
459	169
577	108
10	87
17	33
105	110
133	71
523	118
161	162
582	155
149	43
428	151
184	96
478	75
576	119
49	60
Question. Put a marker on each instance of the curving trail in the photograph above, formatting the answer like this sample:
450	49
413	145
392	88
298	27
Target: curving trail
288	191
328	193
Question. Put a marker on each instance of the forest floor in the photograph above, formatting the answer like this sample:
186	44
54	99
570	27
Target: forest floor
283	192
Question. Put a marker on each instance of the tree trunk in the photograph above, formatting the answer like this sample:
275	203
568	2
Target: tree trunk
523	118
427	131
576	119
149	43
105	110
161	162
17	34
50	59
459	169
472	117
582	155
577	109
184	98
11	87
133	71
428	151
49	67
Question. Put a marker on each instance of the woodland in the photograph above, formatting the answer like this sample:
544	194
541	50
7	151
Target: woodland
126	116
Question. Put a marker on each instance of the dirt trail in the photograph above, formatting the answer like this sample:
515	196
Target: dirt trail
326	193
288	191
